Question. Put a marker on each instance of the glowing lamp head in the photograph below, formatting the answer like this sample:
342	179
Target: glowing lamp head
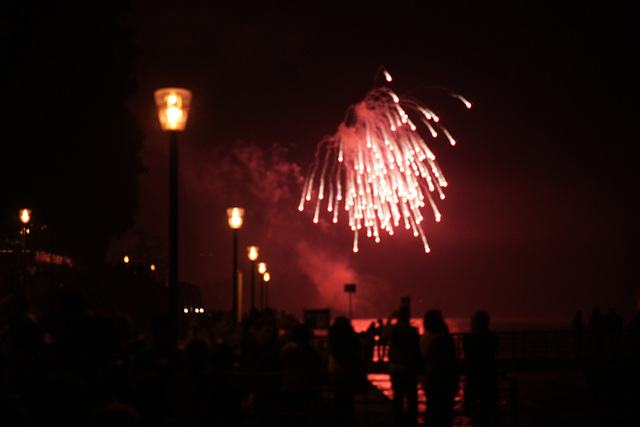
173	107
266	276
262	267
235	216
25	216
252	253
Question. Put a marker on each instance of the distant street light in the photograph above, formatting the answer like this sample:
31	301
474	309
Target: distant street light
252	252
25	217
173	109
262	268
235	216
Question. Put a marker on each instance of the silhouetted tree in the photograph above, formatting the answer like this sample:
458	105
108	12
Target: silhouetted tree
70	145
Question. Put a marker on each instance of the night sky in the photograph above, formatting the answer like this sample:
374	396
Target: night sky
540	214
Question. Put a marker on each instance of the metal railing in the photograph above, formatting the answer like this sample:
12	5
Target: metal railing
529	344
309	398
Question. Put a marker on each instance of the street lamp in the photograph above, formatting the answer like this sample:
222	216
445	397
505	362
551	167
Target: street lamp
262	268
25	217
173	109
252	253
235	216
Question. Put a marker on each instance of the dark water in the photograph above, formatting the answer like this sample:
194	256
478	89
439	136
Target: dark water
461	325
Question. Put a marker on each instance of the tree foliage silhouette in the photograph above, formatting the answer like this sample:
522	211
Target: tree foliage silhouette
71	147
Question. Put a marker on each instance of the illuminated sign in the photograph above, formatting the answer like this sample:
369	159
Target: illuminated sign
49	258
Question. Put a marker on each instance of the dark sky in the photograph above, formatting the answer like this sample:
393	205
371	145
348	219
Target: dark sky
540	214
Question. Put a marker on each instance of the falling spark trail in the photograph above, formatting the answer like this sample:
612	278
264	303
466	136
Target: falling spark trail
378	167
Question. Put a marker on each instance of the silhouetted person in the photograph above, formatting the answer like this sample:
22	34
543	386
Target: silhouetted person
228	399
302	366
441	373
597	333
577	326
260	351
199	395
404	361
189	391
152	370
66	329
615	326
23	364
633	331
346	365
600	372
115	414
481	385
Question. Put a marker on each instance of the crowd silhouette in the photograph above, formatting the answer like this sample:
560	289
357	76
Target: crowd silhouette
75	367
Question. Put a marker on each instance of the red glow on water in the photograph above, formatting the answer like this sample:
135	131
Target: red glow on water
461	324
456	325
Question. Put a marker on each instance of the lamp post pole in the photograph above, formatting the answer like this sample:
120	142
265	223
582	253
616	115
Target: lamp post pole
25	217
252	252
173	108
234	310
253	285
173	227
262	268
235	217
265	278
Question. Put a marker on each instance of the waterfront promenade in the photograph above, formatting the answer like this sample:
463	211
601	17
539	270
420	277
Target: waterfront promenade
221	370
542	383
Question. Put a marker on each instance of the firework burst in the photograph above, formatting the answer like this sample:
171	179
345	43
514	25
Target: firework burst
378	168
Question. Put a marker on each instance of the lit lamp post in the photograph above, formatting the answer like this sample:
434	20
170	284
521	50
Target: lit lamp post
25	217
173	109
252	252
235	216
262	268
266	277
